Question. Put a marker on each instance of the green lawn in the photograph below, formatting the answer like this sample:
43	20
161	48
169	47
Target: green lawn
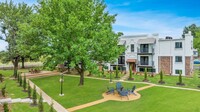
74	94
12	88
190	82
155	99
25	107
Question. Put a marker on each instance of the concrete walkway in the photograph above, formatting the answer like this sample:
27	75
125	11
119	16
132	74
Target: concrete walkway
17	100
48	99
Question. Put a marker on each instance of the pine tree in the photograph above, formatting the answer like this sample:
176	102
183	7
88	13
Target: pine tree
1	78
130	73
117	72
29	90
3	91
5	107
40	104
51	108
18	77
24	83
145	75
161	78
34	96
20	81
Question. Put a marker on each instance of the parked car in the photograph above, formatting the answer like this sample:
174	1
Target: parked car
196	61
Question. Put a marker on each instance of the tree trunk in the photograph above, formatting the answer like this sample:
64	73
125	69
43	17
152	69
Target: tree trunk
23	59
15	63
81	83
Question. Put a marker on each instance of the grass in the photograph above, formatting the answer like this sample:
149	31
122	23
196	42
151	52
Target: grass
190	82
155	99
25	107
76	95
12	88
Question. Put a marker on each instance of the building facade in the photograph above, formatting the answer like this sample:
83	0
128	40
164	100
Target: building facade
156	54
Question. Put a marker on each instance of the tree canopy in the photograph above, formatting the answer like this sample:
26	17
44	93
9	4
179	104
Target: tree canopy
11	15
77	31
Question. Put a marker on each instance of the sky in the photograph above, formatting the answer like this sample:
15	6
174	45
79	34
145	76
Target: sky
165	17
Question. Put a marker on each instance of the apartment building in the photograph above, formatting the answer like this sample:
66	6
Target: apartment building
156	54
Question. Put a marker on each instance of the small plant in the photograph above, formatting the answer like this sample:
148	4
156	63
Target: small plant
29	90
117	72
5	107
130	74
145	75
103	74
20	81
34	97
40	104
51	108
161	78
3	91
1	78
24	83
180	80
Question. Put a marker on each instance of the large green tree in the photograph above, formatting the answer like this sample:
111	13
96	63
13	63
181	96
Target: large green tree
11	15
79	31
195	30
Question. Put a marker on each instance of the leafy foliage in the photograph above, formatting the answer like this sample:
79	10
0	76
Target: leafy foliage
5	107
24	83
3	91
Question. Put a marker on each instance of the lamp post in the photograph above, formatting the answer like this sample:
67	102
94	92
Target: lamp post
61	85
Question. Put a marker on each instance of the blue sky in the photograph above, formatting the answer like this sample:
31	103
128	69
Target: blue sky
166	17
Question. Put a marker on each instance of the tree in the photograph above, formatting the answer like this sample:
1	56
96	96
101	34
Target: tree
40	104
130	73
3	91
24	82
161	78
34	96
145	75
1	77
29	90
195	30
82	37
51	108
117	72
20	81
5	107
180	80
11	16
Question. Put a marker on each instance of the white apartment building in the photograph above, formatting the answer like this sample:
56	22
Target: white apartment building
156	54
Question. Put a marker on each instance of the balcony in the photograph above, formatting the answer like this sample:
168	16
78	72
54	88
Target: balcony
145	51
145	63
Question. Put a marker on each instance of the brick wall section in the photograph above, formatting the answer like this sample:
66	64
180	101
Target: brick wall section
187	65
164	64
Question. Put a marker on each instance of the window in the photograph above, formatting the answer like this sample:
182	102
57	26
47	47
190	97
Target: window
132	47
178	59
178	44
144	48
144	60
178	71
121	60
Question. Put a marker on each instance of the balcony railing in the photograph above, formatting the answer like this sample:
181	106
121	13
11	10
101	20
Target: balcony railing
145	51
143	63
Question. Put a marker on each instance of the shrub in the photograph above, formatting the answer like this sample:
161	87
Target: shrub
145	75
51	108
29	90
20	80
24	83
130	73
180	80
34	96
3	91
5	107
161	78
40	104
1	78
117	72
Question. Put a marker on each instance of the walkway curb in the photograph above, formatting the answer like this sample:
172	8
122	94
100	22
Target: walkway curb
48	99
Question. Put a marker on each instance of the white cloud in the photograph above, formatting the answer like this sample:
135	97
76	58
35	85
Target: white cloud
152	22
